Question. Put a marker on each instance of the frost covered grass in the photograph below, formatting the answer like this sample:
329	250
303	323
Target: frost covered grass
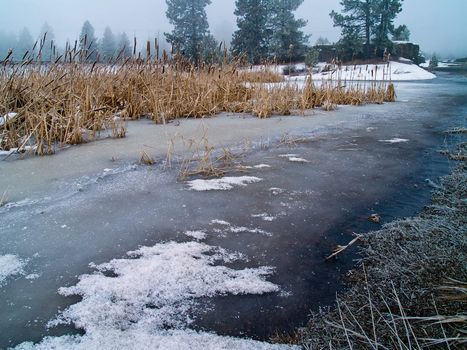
70	101
222	184
409	288
10	265
150	297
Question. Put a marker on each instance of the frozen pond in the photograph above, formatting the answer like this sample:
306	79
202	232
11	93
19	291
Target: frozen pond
242	256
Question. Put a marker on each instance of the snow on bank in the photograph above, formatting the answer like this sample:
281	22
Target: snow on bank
396	71
222	184
10	265
145	301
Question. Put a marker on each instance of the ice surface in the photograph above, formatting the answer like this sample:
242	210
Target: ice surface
10	265
147	302
222	184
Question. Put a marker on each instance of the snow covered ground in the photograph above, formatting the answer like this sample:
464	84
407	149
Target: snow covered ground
402	70
145	301
441	64
395	71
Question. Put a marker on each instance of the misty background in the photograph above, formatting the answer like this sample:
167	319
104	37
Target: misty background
437	26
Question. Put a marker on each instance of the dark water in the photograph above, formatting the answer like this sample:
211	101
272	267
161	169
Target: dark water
350	175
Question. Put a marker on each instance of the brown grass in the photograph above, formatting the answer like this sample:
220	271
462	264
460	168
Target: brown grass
261	76
146	159
71	102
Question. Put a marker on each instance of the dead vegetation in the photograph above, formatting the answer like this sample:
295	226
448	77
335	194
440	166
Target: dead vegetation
146	159
69	101
409	288
204	161
4	198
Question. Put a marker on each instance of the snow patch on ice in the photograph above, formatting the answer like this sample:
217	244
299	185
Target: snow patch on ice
222	184
264	216
288	155
262	166
10	265
147	302
298	160
32	276
293	158
276	190
168	340
198	235
220	222
395	140
238	229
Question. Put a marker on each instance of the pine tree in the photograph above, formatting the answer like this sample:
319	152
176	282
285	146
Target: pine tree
46	41
88	43
385	13
288	40
433	62
357	21
401	33
123	46
108	45
252	35
322	41
25	44
190	34
367	22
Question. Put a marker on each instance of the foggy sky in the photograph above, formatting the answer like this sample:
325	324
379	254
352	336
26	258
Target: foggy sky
438	26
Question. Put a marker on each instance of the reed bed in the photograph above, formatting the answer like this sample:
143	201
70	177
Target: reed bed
69	101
